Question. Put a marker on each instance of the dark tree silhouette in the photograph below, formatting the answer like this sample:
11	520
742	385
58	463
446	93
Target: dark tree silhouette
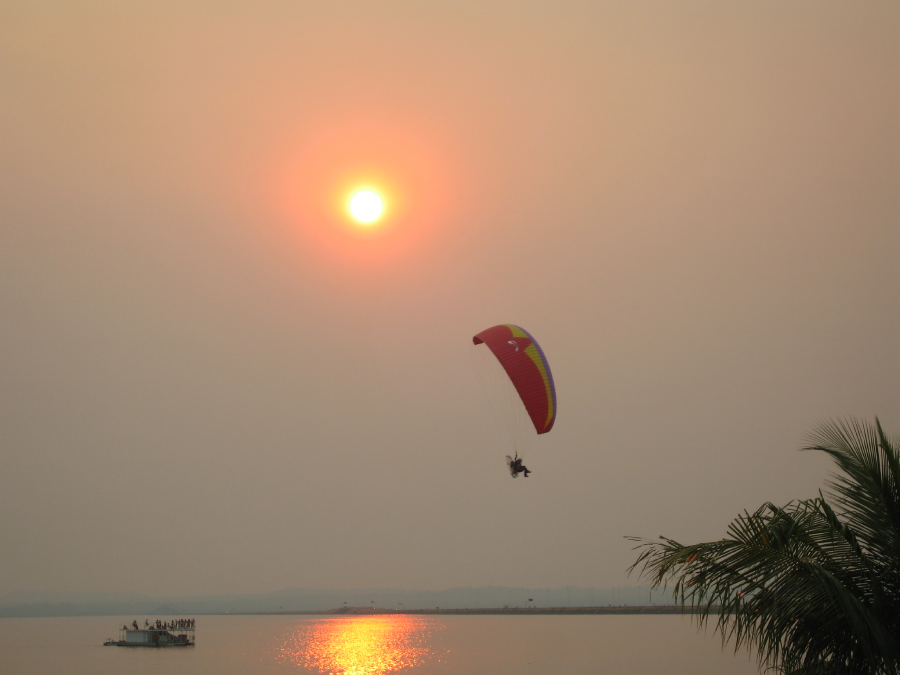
812	587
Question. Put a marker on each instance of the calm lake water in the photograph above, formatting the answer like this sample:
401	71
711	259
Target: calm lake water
412	645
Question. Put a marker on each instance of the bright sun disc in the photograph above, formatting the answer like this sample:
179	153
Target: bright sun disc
365	206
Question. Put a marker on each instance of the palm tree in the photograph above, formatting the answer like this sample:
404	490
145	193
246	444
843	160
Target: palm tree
814	586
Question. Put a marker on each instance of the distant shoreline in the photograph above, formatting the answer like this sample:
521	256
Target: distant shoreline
464	600
522	611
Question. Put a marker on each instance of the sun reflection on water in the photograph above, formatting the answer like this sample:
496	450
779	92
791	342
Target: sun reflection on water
360	645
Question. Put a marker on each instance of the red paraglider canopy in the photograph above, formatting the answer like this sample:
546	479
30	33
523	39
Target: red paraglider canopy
523	360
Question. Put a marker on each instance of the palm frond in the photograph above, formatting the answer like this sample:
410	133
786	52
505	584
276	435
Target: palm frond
811	587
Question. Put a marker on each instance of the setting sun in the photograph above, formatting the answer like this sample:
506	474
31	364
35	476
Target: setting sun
367	194
366	206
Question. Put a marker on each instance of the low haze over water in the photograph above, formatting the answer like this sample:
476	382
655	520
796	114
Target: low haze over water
376	645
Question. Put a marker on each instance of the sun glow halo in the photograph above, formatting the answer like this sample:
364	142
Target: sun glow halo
366	207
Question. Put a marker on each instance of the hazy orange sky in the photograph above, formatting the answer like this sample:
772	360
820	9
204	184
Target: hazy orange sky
211	384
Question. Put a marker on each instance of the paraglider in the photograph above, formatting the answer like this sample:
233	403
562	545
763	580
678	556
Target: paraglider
530	403
516	467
